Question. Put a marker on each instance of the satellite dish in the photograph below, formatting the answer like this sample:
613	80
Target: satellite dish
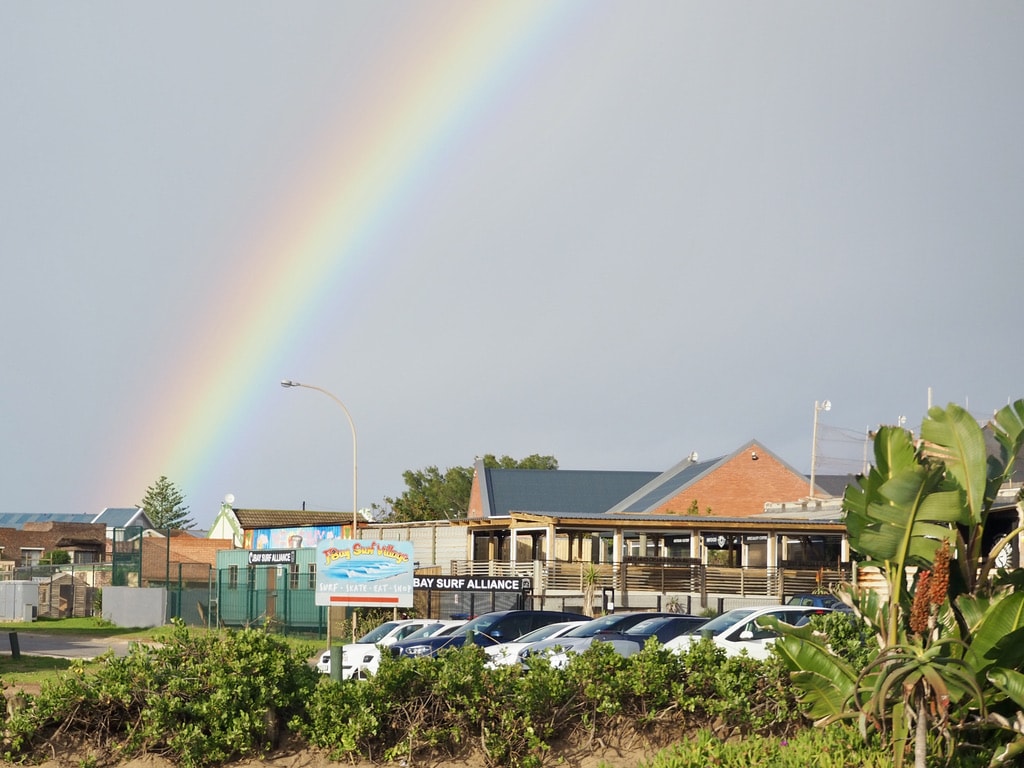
693	457
827	405
229	499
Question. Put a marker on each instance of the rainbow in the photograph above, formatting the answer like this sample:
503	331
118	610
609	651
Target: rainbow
318	237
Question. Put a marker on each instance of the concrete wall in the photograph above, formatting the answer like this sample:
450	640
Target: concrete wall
134	606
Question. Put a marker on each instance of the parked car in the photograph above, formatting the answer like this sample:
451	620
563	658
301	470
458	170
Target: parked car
361	660
820	601
385	634
505	654
485	630
738	630
662	628
577	640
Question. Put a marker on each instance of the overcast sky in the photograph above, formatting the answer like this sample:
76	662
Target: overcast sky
610	232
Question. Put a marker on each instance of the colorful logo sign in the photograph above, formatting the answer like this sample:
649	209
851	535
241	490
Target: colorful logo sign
364	573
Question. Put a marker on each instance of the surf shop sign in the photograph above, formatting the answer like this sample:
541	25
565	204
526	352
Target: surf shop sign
364	573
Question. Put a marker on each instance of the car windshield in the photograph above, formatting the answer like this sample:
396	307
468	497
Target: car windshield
648	626
541	634
479	624
425	631
376	634
595	626
721	623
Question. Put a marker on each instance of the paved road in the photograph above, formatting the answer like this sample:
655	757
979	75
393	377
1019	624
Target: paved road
62	646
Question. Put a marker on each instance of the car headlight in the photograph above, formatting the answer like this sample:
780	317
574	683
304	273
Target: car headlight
418	650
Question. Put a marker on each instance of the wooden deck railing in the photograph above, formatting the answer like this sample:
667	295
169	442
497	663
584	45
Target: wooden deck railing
664	578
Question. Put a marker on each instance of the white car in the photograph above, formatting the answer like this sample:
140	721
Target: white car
506	654
365	652
738	630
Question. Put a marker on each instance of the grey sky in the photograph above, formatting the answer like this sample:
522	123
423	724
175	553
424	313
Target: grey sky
663	227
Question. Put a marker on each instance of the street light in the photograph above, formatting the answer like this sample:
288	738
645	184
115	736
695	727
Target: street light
287	384
825	405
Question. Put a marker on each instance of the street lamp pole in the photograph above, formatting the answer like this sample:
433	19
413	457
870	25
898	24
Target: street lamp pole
287	384
825	405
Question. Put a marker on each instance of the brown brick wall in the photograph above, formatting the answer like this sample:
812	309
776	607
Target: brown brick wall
50	536
198	554
740	487
476	504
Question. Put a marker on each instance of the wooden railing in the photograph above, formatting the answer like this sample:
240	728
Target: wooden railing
662	577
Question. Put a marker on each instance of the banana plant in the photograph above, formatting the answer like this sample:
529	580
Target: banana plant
916	496
1011	683
900	513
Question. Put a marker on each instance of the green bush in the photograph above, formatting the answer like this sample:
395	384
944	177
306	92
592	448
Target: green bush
838	746
202	699
199	699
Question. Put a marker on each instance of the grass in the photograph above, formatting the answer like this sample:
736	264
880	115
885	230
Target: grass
88	626
34	670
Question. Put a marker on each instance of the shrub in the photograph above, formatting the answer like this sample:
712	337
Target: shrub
199	699
838	746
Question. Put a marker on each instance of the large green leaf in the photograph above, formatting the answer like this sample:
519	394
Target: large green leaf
998	638
899	513
953	437
1008	429
1010	682
826	682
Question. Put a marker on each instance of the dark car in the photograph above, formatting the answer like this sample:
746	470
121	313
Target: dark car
662	628
819	601
581	638
485	630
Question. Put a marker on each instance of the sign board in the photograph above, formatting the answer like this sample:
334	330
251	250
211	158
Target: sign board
364	573
474	583
272	557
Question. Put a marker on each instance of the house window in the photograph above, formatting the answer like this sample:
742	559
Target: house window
312	575
293	576
31	557
232	577
83	556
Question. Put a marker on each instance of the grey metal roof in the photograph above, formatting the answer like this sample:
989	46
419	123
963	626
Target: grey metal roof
665	486
559	491
18	519
119	517
704	520
834	485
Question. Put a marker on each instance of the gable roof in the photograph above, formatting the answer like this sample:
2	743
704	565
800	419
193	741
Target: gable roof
555	490
671	483
251	519
665	486
123	517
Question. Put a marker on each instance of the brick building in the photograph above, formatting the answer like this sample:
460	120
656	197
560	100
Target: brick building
25	547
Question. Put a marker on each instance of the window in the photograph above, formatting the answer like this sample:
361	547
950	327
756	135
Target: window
293	576
312	575
233	577
83	557
31	557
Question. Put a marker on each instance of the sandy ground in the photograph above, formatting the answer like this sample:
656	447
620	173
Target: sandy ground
598	755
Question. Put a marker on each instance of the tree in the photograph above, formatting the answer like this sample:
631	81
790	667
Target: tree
165	507
949	632
435	495
56	557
